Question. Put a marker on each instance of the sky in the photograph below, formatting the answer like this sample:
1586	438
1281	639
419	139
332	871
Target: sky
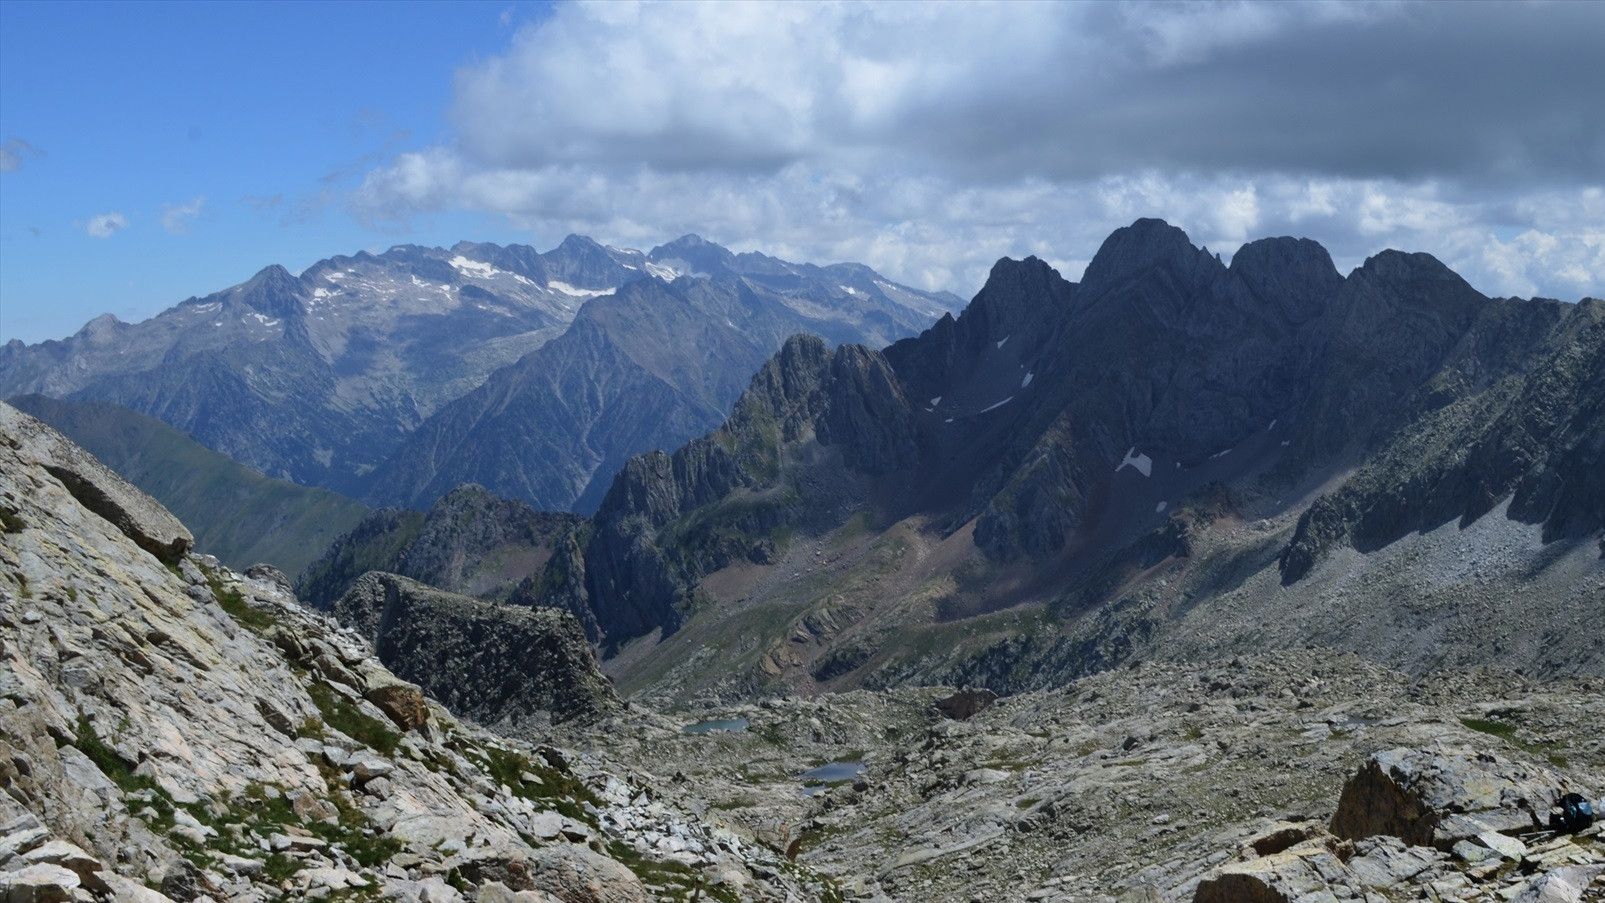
153	152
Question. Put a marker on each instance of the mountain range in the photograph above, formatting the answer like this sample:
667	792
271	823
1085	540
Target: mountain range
1187	581
1172	454
320	378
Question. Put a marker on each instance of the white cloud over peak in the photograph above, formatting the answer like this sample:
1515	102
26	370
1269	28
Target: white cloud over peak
928	140
105	225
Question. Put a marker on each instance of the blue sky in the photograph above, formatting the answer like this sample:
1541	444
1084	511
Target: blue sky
270	113
149	152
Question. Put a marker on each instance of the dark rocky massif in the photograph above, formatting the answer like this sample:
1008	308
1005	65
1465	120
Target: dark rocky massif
1064	475
470	542
496	664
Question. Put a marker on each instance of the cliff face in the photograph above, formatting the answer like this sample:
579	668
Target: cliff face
497	664
1051	443
668	520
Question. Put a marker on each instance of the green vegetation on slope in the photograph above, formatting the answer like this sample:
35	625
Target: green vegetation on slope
237	514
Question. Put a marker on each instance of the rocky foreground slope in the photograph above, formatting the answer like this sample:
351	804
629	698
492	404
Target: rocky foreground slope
1296	776
173	730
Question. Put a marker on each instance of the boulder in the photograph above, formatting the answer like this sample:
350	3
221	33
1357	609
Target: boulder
269	574
404	703
1566	885
1436	797
96	487
1308	871
965	704
39	883
575	874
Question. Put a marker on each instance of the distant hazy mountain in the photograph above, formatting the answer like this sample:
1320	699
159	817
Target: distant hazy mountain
1172	455
650	366
317	378
235	513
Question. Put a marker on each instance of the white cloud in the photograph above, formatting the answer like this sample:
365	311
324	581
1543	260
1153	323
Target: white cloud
176	217
105	225
14	152
928	140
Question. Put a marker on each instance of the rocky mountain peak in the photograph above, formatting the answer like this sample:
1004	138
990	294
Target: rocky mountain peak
583	262
101	327
1407	272
272	292
1295	273
1018	295
574	243
1145	245
697	253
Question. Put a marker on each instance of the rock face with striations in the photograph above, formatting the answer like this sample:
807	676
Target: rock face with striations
1438	797
96	486
669	519
497	664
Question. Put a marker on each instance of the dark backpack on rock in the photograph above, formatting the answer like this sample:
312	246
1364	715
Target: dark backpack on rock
1571	814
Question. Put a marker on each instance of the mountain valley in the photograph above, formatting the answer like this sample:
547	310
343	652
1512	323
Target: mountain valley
1188	581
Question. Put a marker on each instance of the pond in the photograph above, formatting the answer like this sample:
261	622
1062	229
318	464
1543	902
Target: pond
817	779
717	725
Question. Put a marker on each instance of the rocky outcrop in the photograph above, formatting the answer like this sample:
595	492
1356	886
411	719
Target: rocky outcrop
1502	425
667	520
96	487
965	704
1445	818
1438	797
497	664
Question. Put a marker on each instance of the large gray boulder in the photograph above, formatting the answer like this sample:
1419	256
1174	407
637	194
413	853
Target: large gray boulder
1436	797
95	486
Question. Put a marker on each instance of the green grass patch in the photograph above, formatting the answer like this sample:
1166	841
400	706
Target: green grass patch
255	619
344	716
553	788
1498	729
121	773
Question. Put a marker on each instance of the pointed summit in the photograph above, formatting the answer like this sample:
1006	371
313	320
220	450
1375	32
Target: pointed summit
575	243
1144	245
697	253
582	262
273	292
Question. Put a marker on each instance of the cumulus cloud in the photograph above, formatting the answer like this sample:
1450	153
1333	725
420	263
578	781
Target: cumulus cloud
927	140
105	225
177	217
14	152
